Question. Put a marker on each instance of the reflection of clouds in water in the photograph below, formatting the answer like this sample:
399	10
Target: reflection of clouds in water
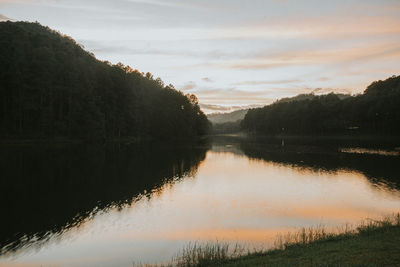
230	198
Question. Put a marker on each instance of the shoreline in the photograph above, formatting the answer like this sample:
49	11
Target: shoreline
370	243
122	141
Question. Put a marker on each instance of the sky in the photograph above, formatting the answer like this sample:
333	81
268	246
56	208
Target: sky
234	54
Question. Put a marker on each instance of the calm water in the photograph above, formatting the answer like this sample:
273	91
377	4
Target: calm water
115	205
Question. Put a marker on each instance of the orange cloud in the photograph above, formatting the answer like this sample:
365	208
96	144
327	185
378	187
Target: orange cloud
322	56
336	26
4	18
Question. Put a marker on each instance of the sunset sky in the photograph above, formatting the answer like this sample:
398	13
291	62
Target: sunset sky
234	53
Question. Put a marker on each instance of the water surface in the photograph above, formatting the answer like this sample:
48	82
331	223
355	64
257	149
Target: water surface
115	205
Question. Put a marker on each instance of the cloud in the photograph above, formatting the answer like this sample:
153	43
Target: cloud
110	49
267	82
171	3
233	96
215	107
206	79
240	65
334	55
4	18
313	57
21	1
339	25
257	65
150	47
323	91
210	108
189	86
328	56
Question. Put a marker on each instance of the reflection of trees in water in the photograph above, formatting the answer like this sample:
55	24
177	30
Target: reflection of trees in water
47	190
325	155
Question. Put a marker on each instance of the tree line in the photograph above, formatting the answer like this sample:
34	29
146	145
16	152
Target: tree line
375	111
51	87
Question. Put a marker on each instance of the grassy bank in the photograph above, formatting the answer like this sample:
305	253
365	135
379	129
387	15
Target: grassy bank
375	246
371	243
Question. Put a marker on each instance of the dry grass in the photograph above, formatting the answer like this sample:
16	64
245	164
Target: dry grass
215	254
320	233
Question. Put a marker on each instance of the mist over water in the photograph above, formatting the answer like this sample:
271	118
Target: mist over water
115	205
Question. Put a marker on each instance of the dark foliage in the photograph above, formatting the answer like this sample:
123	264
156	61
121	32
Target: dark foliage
226	127
51	87
376	111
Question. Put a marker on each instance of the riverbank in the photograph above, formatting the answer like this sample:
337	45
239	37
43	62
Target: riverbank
372	243
373	248
97	141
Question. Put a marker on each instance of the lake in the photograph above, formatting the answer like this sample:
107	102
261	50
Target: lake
115	205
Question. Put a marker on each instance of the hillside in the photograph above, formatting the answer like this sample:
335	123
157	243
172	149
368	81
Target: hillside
227	117
219	118
50	87
226	123
376	111
302	97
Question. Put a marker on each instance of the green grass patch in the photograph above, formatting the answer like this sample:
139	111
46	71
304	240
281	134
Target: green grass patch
371	243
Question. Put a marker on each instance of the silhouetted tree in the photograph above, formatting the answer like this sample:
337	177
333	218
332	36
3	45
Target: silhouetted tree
51	87
376	111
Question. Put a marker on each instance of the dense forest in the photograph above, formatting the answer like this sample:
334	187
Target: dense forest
50	87
376	111
226	127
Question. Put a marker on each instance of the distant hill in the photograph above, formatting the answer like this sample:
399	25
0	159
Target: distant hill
51	88
234	116
223	123
302	97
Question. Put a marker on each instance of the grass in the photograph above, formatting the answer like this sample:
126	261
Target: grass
206	255
371	243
